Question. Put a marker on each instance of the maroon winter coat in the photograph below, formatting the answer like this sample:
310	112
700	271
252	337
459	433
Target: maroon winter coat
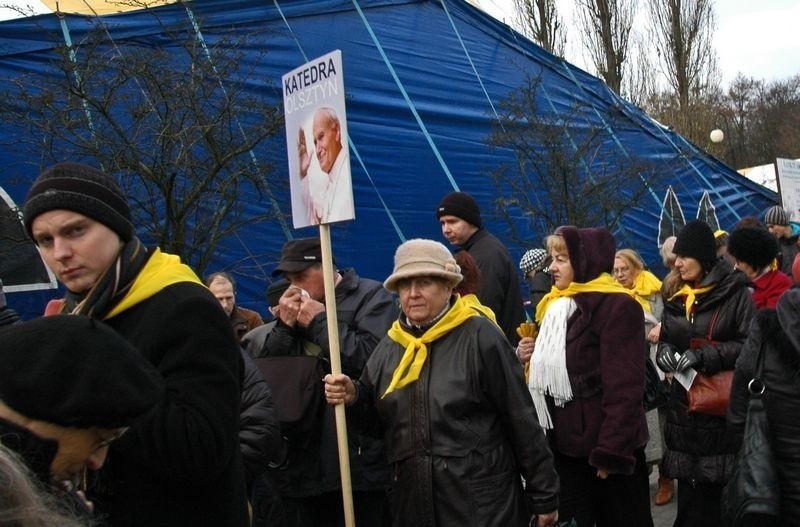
605	353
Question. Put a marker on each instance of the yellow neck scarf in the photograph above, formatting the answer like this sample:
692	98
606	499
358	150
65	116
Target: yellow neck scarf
690	295
602	284
472	301
644	286
160	271
416	352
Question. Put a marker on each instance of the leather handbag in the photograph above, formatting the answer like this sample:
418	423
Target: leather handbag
752	494
710	394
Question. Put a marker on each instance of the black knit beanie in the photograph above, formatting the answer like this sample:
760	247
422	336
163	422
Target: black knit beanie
72	370
82	189
753	246
696	240
460	205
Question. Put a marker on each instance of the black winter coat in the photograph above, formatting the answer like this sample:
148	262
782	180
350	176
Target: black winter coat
697	448
499	289
259	431
777	334
462	438
180	464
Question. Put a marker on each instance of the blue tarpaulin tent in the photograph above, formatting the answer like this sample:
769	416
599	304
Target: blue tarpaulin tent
423	79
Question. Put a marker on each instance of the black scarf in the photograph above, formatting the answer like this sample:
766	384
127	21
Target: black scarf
112	285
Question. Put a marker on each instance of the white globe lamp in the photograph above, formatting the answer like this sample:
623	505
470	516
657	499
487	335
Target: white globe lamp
716	135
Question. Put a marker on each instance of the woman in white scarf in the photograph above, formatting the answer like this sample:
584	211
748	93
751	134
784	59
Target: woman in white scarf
587	381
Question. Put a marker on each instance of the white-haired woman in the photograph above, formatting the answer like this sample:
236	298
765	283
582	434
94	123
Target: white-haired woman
447	393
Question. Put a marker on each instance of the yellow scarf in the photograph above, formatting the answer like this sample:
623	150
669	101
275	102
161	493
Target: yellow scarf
644	286
472	301
690	295
602	284
160	271
416	352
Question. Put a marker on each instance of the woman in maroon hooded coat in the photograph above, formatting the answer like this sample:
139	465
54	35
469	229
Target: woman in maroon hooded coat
587	382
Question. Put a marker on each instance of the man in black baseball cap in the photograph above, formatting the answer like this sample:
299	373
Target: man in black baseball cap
365	311
298	255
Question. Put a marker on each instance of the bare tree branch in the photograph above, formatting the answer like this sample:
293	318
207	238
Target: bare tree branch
539	21
173	121
565	170
605	31
682	32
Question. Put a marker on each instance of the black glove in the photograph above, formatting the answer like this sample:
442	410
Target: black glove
689	359
665	357
284	464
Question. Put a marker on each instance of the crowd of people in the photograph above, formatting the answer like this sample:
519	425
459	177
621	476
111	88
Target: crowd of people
147	396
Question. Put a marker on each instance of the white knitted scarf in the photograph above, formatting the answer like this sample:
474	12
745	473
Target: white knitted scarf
548	374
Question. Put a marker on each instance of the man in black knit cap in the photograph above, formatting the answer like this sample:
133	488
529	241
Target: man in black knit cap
179	464
460	219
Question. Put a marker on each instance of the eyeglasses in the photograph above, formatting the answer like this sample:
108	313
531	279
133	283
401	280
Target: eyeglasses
621	270
106	441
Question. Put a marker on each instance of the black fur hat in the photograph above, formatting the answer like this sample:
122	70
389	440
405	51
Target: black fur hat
753	246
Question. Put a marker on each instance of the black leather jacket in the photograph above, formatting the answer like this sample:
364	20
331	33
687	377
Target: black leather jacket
460	437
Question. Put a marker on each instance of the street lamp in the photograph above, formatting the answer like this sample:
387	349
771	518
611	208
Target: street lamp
716	135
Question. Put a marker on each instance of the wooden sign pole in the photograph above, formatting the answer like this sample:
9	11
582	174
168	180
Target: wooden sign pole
336	368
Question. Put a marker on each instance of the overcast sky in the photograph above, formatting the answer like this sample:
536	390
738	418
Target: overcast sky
755	37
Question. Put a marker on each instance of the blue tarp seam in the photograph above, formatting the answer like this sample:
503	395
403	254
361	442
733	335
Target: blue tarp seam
407	98
68	41
469	59
483	87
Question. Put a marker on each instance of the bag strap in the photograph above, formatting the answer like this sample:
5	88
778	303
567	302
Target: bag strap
756	385
712	323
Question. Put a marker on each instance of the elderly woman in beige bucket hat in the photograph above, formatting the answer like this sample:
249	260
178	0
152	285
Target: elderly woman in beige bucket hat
447	392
